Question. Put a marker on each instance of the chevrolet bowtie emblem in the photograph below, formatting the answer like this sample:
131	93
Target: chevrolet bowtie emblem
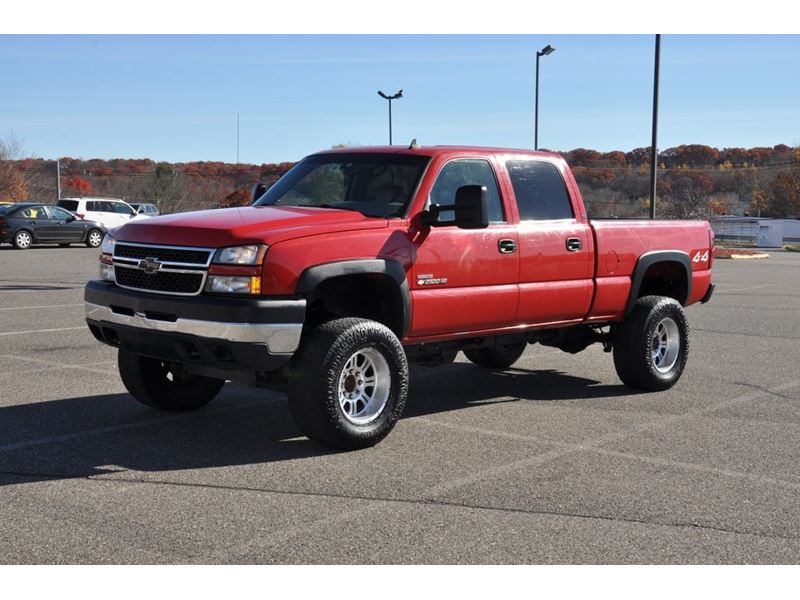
149	265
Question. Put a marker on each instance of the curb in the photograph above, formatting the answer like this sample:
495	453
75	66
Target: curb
749	256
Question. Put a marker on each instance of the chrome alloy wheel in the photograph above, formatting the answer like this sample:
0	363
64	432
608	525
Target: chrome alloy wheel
364	386
95	239
665	345
23	240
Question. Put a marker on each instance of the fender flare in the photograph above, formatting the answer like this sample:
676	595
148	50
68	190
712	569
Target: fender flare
648	260
312	277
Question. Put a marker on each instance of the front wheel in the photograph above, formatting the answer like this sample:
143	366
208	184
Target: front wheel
164	385
652	345
94	238
348	383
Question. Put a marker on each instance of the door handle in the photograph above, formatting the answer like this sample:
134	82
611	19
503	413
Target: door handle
506	246
574	244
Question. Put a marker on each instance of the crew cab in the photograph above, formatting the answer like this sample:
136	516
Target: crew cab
357	262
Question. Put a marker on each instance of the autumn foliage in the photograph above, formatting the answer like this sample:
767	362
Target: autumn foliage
694	181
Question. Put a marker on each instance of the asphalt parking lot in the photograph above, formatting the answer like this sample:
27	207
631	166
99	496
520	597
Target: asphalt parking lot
553	461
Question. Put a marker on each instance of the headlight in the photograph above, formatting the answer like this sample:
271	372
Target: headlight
241	255
107	247
233	284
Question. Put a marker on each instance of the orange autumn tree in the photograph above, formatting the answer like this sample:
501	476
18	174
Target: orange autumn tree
77	186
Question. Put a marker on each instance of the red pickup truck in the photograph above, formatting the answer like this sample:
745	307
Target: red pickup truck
358	261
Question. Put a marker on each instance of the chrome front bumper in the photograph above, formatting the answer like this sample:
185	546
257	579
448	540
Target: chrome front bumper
280	338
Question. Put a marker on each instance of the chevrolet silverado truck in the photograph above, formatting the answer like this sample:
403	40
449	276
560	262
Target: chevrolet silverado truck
359	261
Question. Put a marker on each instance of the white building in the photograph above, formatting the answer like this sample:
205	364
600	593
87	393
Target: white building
765	233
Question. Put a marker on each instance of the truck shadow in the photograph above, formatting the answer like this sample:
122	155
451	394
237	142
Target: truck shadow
81	437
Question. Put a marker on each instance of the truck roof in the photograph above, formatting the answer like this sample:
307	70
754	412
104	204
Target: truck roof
438	150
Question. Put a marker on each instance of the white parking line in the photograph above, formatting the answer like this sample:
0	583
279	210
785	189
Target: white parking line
48	363
44	306
43	330
123	426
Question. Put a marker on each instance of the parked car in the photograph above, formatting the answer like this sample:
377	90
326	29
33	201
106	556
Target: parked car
25	224
356	262
146	209
111	212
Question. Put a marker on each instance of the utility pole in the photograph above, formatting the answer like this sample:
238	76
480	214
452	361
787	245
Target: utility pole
654	143
58	180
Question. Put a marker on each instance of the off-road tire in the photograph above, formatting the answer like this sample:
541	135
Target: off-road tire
499	357
317	373
635	342
159	384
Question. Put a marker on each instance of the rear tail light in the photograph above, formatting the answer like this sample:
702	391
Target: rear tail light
711	247
2	220
80	215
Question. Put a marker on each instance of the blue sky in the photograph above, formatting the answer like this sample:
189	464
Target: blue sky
175	98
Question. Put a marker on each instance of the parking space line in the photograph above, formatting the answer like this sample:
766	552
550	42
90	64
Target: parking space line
577	446
111	365
124	426
44	306
47	363
43	330
557	453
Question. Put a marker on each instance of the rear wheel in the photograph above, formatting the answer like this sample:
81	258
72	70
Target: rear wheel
165	385
23	240
499	357
94	238
348	383
651	347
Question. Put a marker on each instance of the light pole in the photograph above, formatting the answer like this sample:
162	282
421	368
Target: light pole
543	52
397	96
653	144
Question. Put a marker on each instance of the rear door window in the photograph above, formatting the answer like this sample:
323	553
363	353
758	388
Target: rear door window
540	191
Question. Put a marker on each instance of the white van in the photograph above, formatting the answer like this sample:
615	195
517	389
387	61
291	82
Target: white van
111	212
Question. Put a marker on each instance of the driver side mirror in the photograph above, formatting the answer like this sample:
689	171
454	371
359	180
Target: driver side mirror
471	209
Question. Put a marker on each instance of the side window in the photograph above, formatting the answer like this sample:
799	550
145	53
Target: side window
93	206
457	173
59	213
122	209
540	191
35	212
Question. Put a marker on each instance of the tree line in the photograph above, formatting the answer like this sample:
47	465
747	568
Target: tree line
695	181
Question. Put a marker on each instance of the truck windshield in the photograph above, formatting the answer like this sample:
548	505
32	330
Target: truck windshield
376	185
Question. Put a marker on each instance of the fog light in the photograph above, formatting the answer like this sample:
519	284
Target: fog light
107	272
228	284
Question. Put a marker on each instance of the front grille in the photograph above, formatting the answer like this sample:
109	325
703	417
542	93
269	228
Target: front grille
186	256
165	281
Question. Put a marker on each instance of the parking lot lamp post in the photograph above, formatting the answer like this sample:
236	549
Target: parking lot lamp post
543	52
397	96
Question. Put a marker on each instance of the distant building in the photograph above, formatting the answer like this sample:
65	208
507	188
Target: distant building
764	233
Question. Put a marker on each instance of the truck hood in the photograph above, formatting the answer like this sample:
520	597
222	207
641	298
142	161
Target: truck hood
233	226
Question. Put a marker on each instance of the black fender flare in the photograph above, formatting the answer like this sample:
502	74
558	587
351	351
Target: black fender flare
312	277
648	260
